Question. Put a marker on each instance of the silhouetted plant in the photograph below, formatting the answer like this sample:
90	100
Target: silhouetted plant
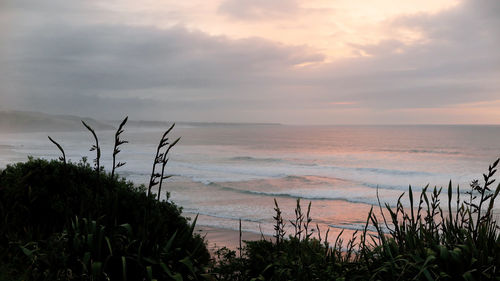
161	158
63	157
163	164
301	223
436	244
279	225
94	147
116	149
419	242
40	199
41	240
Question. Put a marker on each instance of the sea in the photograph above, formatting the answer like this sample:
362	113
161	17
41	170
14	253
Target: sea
224	173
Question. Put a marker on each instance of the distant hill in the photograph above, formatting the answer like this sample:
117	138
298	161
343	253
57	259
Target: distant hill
26	121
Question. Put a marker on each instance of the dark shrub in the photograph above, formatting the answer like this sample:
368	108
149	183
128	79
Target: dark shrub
41	202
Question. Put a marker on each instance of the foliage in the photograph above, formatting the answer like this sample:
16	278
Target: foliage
424	242
462	243
68	221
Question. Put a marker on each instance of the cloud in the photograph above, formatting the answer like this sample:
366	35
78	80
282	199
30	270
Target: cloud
456	62
80	64
94	67
258	9
122	57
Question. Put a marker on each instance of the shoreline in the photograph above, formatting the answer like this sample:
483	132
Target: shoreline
218	238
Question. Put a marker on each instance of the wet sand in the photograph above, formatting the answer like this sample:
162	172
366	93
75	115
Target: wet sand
219	237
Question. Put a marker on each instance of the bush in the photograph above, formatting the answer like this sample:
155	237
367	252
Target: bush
423	243
41	206
71	221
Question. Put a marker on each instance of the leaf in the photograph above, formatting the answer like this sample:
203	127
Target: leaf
127	227
187	262
208	276
193	225
27	251
124	268
176	276
123	122
174	143
108	243
170	241
149	273
96	269
86	258
495	163
443	253
468	275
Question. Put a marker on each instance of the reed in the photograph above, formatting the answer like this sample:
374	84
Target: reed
63	157
161	158
94	147
116	148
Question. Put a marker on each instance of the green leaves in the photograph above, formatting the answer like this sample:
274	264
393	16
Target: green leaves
67	224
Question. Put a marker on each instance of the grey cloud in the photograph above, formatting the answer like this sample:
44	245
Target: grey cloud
70	66
121	57
94	69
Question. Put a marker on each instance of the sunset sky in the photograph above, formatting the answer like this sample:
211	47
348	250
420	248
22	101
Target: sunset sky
293	62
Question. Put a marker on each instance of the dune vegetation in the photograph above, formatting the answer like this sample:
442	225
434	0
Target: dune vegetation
76	221
425	241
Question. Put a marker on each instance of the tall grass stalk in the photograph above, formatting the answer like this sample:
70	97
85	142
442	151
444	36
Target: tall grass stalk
161	158
63	157
94	147
116	148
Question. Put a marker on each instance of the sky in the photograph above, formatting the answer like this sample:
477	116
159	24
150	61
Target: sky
285	61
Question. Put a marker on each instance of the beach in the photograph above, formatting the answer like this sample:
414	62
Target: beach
217	238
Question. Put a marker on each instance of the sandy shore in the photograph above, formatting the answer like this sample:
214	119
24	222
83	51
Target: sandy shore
220	237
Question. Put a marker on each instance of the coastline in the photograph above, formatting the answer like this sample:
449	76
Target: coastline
217	238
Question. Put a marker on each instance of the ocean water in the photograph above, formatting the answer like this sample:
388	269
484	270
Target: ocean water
225	173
